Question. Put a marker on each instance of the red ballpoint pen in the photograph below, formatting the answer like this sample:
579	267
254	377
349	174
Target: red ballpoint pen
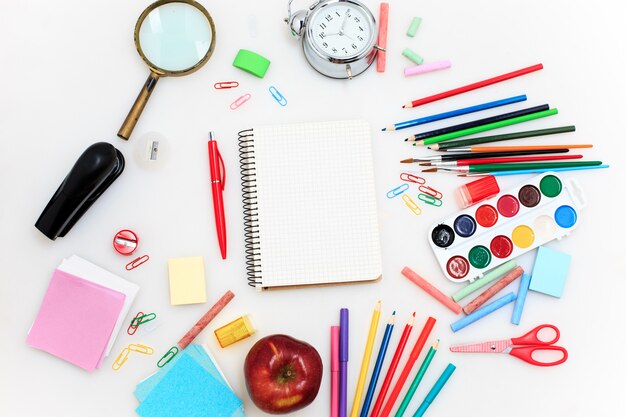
218	180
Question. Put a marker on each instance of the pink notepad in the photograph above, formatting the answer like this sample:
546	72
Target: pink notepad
75	320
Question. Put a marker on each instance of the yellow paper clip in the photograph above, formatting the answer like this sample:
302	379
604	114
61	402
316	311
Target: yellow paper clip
405	176
146	350
277	96
397	191
411	204
235	331
136	262
237	103
429	199
121	359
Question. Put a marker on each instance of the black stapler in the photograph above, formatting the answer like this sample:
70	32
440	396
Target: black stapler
94	171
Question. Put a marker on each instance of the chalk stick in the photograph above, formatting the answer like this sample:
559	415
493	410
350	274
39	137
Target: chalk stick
429	67
415	24
381	59
413	56
493	290
431	290
490	276
521	299
482	312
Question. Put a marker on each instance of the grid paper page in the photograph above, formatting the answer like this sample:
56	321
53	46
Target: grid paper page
317	215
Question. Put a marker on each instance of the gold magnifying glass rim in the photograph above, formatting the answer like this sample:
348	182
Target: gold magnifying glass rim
160	71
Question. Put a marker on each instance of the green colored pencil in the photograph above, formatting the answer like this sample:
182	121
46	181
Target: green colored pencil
417	380
483	128
514	166
497	138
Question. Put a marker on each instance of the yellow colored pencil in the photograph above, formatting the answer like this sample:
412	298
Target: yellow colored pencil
367	355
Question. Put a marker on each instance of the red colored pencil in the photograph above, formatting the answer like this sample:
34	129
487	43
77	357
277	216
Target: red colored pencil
473	86
392	367
478	161
419	345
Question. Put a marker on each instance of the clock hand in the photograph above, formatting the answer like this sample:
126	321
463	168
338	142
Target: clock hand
345	19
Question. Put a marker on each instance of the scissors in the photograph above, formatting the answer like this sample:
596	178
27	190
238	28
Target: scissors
521	347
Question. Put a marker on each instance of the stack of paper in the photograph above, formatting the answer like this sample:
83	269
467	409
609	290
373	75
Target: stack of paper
81	313
190	385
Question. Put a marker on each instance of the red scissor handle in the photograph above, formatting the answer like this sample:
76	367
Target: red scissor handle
526	354
532	337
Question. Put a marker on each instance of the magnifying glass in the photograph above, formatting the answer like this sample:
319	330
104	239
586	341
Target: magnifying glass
174	38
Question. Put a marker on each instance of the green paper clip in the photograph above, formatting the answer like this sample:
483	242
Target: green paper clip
142	319
428	199
169	355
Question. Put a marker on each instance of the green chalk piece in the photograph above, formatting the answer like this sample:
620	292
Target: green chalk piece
251	62
413	56
484	280
415	24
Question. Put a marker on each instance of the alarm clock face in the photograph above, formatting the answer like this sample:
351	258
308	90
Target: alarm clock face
342	30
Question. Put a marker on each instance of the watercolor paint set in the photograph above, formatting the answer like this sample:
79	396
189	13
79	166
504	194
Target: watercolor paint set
506	226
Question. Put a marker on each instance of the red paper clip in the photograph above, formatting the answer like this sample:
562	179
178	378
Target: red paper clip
431	192
405	176
136	262
132	329
235	104
225	84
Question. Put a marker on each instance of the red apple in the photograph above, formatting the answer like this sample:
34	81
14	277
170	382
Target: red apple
282	374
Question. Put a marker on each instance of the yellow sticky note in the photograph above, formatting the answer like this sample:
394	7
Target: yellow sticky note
187	284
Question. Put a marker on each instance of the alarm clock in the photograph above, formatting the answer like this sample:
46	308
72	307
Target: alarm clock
338	36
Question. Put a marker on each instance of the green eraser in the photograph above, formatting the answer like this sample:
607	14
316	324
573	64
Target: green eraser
413	56
415	23
251	62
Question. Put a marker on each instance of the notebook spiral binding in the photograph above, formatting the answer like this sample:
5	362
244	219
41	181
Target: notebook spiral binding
250	207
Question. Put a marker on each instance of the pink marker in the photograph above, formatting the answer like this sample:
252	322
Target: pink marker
334	371
428	67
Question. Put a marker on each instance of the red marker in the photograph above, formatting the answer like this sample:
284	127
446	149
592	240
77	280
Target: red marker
218	180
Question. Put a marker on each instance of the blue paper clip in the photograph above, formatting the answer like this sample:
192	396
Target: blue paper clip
277	96
429	199
397	191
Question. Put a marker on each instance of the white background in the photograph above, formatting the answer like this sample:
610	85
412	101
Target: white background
69	74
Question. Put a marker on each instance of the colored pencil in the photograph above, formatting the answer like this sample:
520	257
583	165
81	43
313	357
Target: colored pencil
478	122
430	323
518	166
454	113
334	371
473	86
418	378
365	363
454	156
506	136
434	391
535	171
392	367
382	351
482	161
490	126
496	149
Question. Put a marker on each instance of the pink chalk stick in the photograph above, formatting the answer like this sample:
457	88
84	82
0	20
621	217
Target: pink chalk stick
493	290
432	290
381	59
428	67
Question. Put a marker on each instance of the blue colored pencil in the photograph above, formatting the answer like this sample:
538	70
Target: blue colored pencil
379	364
432	394
533	171
454	113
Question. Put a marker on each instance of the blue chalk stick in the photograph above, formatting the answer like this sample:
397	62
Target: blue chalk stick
482	312
521	298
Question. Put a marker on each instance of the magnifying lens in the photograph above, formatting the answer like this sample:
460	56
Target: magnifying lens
174	38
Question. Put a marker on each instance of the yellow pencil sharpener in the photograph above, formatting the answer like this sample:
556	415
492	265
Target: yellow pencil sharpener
235	331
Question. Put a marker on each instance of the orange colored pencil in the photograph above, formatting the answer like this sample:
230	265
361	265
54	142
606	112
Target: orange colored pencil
392	367
519	148
419	345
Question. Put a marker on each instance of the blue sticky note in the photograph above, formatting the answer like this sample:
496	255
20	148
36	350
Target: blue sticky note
187	389
550	271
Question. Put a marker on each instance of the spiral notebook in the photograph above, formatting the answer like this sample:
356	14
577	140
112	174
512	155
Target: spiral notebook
309	204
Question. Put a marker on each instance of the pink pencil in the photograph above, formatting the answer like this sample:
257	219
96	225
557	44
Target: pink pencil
334	371
431	290
381	59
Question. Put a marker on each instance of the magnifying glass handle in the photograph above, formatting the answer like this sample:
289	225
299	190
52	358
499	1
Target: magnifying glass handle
140	103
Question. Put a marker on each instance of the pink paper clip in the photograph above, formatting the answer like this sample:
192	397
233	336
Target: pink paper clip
132	329
225	84
405	176
136	262
237	103
431	192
